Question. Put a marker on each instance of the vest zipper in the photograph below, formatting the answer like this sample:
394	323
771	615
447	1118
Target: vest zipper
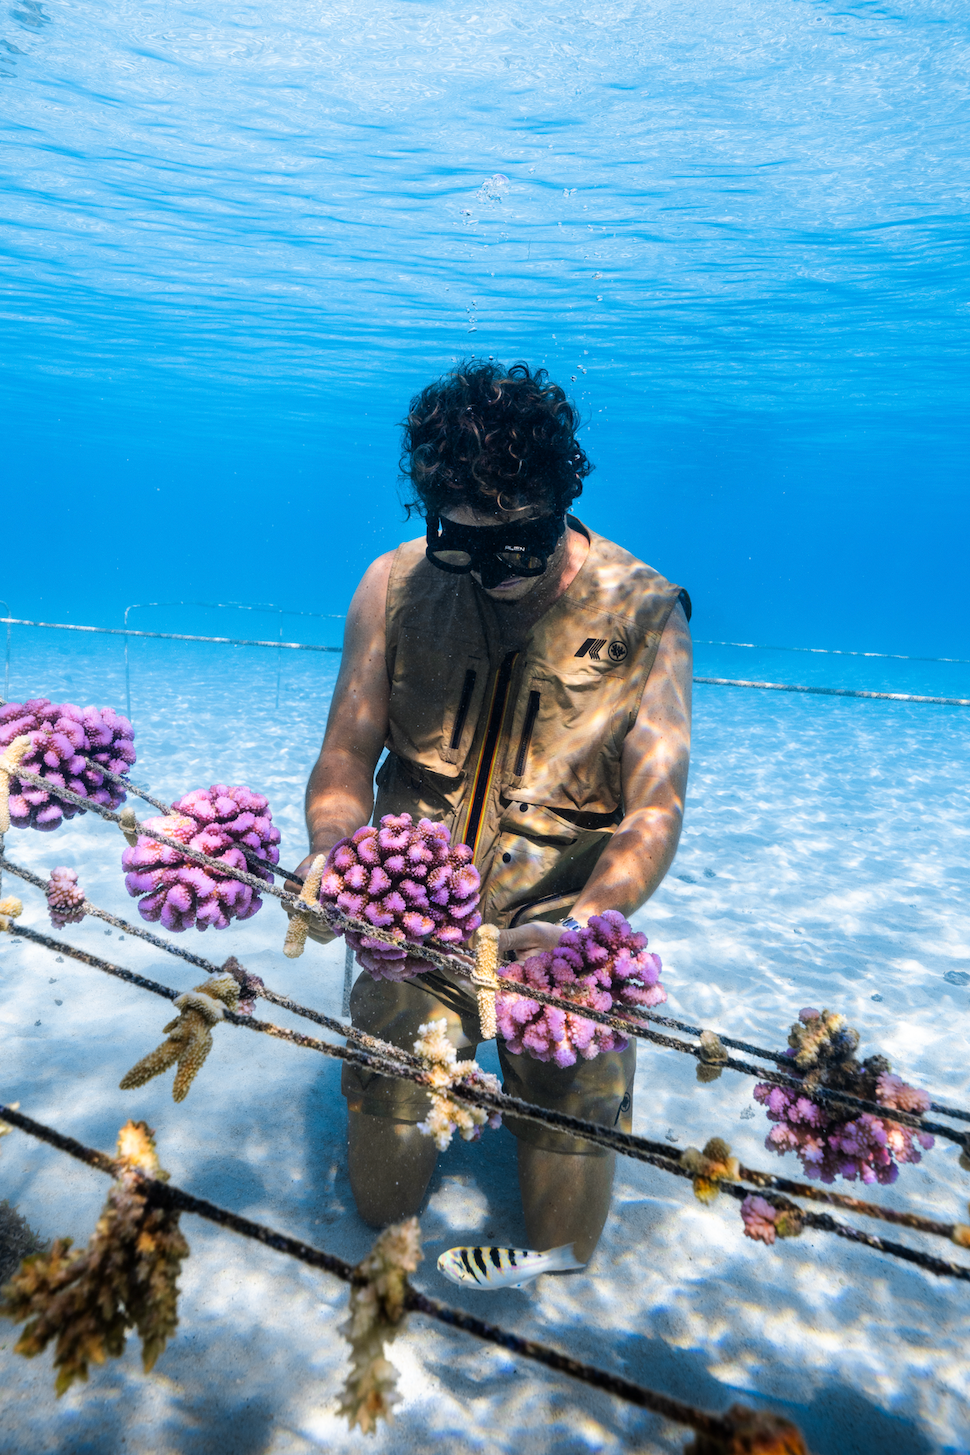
463	705
488	756
531	713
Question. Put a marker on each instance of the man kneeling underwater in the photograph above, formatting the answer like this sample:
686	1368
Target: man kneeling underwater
531	682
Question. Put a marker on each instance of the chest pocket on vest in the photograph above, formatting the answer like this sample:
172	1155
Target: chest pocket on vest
564	737
461	708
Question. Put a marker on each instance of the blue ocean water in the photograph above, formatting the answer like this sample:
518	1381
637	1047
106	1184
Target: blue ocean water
236	238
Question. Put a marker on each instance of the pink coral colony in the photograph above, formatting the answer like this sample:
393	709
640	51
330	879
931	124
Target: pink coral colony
65	900
827	1143
219	821
408	880
604	966
67	745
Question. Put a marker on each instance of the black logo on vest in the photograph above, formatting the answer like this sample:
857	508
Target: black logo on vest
616	651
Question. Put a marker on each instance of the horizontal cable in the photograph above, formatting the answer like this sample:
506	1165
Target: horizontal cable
453	963
339	1028
391	1061
118	631
836	691
169	809
166	1195
835	652
235	606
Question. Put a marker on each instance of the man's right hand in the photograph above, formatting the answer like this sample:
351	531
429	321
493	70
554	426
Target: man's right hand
316	930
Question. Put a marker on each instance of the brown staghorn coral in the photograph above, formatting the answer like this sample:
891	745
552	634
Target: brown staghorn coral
751	1432
189	1036
295	942
376	1317
87	1299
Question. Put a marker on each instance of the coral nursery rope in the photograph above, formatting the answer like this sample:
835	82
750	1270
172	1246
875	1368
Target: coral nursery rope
836	691
164	1194
446	960
835	652
402	1065
117	631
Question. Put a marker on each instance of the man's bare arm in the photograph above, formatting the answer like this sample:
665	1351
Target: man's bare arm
340	792
656	756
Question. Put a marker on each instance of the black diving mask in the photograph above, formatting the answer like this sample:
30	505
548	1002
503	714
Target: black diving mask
496	552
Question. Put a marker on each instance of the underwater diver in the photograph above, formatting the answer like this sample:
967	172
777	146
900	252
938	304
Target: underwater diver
531	682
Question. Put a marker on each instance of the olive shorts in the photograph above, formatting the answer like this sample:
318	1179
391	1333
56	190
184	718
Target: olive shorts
599	1091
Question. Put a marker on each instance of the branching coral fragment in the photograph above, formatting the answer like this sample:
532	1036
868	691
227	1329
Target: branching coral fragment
710	1167
448	1116
485	978
713	1056
9	763
87	1299
751	1432
189	1036
65	900
10	908
827	1142
220	821
67	746
603	966
408	880
376	1315
295	942
765	1221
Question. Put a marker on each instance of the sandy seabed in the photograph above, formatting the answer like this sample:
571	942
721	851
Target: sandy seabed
824	862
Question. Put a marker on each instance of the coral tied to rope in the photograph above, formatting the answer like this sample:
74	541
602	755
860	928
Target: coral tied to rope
189	1036
295	942
9	763
712	1058
710	1167
10	909
87	1299
484	977
128	824
376	1317
750	1432
443	1071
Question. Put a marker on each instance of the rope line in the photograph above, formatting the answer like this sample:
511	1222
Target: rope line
835	652
117	631
710	681
452	962
165	1194
835	691
392	1061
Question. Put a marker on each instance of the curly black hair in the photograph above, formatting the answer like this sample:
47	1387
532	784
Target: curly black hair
493	438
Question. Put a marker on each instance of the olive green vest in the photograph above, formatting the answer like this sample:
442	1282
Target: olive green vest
519	752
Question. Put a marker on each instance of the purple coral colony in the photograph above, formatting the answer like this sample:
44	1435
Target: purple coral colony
408	880
219	821
68	747
604	966
828	1143
65	899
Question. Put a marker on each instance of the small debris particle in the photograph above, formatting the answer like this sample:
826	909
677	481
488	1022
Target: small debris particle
877	996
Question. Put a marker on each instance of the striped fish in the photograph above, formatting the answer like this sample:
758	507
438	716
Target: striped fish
504	1267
